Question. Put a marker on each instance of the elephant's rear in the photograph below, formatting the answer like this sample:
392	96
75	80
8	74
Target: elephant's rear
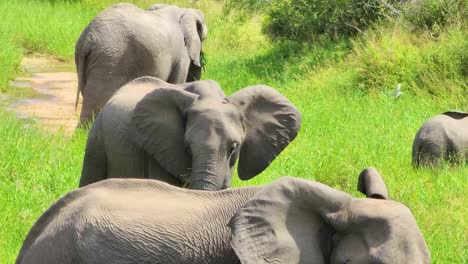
114	49
434	141
51	239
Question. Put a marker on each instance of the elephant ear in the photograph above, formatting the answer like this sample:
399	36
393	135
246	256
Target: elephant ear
455	114
372	184
288	221
192	23
158	126
271	123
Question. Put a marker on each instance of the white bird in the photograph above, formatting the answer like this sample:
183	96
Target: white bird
397	92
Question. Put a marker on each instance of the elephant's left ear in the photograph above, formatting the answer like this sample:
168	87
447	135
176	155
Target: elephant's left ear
194	28
271	123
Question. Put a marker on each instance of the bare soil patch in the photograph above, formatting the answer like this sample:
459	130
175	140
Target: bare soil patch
52	100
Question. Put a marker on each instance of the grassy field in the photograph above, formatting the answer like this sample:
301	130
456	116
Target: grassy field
343	89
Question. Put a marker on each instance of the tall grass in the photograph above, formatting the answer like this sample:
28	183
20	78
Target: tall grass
35	169
343	89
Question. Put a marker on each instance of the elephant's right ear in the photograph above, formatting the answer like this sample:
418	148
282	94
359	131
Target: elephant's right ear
158	126
194	28
372	185
285	221
271	123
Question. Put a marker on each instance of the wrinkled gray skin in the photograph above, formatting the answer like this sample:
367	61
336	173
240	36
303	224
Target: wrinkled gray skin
124	42
442	138
291	220
188	133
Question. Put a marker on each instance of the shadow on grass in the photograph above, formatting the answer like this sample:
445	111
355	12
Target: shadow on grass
278	64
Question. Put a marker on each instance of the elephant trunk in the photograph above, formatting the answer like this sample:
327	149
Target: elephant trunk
207	173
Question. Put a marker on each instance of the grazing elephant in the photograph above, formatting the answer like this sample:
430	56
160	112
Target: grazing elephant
188	133
124	42
291	220
443	137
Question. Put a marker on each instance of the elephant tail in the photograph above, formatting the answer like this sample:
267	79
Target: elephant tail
95	160
80	62
416	153
77	98
82	50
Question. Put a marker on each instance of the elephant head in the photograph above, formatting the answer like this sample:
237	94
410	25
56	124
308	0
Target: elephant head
196	133
298	221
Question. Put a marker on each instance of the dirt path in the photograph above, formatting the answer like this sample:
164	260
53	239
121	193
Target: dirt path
54	90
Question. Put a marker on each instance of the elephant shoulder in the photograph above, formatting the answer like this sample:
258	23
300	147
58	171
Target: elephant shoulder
118	14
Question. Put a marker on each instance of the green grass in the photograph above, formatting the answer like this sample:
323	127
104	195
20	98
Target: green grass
343	90
35	169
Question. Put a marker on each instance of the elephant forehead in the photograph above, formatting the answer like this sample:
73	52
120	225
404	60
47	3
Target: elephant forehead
212	112
389	209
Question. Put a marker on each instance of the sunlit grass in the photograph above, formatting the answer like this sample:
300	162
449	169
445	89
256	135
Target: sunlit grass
343	90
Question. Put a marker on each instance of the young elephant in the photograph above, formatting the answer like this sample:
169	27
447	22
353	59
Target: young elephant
290	221
188	133
443	137
124	42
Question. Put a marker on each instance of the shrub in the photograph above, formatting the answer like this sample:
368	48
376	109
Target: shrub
422	64
430	14
305	20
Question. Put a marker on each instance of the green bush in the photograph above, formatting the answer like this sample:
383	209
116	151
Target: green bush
305	20
434	14
422	64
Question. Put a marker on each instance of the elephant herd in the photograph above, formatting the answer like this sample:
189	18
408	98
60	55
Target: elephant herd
152	118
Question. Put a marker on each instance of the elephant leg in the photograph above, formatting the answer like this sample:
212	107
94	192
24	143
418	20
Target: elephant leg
91	106
95	96
179	72
154	171
95	161
430	154
455	153
87	113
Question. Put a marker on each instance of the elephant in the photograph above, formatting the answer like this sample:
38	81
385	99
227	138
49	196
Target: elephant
188	134
444	137
291	220
124	42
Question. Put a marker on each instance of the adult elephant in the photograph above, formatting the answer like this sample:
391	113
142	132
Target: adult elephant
124	42
442	138
188	134
290	221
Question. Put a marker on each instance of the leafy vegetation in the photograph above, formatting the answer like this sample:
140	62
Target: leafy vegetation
342	87
435	14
